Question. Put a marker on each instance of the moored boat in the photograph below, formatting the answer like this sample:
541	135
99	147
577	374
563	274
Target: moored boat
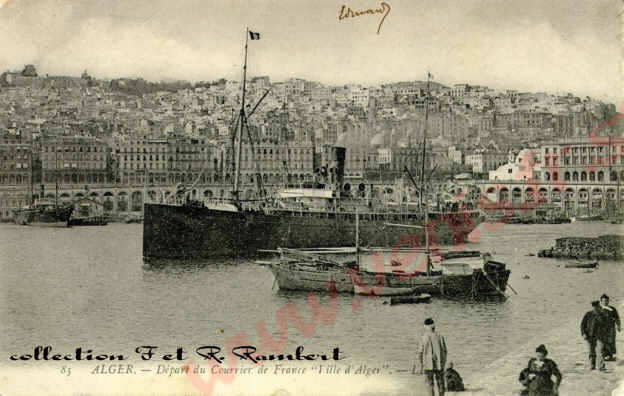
89	221
473	275
586	218
417	299
582	264
44	213
238	227
301	271
462	275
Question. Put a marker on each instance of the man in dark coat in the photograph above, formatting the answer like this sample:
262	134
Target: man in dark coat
589	329
613	323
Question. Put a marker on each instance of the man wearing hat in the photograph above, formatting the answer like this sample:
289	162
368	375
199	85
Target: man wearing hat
433	357
591	328
613	322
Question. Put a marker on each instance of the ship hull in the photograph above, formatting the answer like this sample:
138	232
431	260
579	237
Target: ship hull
312	280
172	231
476	285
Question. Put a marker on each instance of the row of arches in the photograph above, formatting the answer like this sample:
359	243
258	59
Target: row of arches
541	195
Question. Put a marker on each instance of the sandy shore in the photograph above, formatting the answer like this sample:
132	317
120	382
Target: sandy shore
568	350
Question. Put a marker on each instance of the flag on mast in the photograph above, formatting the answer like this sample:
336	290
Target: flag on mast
254	35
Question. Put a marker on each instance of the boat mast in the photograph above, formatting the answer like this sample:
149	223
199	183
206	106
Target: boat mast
32	151
422	179
241	120
55	176
357	236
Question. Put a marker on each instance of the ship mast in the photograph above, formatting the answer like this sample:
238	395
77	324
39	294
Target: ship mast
32	172
241	120
55	176
423	181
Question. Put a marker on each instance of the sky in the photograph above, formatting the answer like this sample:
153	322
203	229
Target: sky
529	45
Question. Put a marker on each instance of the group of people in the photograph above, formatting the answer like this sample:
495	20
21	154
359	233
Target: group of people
537	377
598	328
432	356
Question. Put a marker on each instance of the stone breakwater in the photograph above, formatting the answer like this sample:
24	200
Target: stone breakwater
569	351
604	247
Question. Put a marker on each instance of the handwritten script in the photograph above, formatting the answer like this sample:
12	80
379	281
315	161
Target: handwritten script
384	10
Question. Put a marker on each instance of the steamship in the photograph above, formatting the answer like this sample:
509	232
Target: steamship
294	218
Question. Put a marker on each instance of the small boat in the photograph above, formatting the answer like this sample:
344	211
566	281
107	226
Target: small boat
419	299
472	274
305	271
89	221
44	213
586	218
133	218
467	274
582	264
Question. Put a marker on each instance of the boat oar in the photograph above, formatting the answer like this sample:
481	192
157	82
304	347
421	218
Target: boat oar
512	289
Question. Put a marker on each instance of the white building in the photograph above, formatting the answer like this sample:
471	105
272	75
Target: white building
526	166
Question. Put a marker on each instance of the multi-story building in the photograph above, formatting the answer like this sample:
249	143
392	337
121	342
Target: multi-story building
596	159
167	161
15	164
395	159
273	163
581	160
483	161
74	160
359	96
456	155
359	160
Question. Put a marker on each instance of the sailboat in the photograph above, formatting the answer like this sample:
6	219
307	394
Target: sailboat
43	212
240	227
461	273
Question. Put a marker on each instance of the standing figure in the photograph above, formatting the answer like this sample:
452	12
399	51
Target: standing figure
433	357
590	329
540	373
613	322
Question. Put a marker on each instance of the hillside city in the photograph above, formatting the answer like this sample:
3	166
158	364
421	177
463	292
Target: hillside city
128	131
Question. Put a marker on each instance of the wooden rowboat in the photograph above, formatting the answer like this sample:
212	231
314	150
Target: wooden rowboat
419	299
581	264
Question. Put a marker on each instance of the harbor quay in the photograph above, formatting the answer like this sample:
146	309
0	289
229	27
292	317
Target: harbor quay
568	349
566	195
130	197
571	198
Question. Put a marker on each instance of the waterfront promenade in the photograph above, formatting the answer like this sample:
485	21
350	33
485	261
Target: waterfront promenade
567	348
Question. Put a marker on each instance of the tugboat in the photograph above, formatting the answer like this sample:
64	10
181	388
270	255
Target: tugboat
44	213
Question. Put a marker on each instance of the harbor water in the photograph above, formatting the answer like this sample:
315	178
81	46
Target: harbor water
88	287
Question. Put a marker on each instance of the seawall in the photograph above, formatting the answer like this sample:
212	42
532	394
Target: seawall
604	247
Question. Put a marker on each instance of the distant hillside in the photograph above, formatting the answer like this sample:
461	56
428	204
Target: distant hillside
139	86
